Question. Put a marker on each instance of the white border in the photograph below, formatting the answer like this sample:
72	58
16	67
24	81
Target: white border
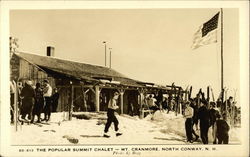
243	6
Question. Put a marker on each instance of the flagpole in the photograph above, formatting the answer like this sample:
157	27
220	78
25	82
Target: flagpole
222	78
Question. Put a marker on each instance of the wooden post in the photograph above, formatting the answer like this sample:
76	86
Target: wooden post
84	101
122	94
97	98
84	98
15	112
72	101
141	103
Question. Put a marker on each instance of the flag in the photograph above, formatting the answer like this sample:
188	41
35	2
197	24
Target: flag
207	33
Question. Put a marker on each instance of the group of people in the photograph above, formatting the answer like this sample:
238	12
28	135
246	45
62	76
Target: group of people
41	99
200	111
33	101
206	117
157	102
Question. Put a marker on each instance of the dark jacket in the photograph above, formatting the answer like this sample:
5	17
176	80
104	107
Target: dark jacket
195	116
28	92
213	114
203	115
222	127
39	94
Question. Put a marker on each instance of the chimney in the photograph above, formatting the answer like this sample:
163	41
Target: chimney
50	51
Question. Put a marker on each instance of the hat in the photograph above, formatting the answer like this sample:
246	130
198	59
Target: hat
224	115
116	93
38	84
218	116
29	82
213	104
46	81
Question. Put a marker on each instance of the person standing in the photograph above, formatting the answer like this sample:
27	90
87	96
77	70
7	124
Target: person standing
151	103
27	95
47	92
213	114
54	100
195	118
39	103
221	130
112	107
203	116
188	114
165	104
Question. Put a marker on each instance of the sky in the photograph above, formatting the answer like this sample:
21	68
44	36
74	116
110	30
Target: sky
152	45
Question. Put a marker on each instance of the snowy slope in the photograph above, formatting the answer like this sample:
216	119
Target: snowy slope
160	128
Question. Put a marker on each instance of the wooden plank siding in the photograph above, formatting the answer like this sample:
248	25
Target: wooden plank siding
28	71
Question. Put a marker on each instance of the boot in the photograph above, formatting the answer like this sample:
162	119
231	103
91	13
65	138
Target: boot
106	135
118	133
196	138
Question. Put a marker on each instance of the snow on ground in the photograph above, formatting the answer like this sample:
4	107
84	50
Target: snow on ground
175	124
160	128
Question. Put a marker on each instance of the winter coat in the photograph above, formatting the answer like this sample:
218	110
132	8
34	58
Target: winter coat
203	116
222	128
213	115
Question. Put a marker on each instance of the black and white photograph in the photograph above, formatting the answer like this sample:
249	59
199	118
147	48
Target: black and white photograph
142	79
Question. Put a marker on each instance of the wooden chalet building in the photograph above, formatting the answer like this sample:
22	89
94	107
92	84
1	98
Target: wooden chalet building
83	87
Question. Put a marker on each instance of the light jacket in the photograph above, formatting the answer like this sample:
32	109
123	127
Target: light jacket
112	104
47	91
189	112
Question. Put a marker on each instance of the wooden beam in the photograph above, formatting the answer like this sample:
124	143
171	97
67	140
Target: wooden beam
122	94
15	112
93	90
141	104
97	98
75	86
71	103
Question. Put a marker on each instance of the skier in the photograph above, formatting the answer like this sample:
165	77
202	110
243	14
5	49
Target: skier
151	103
195	118
221	130
27	95
54	100
165	103
47	90
213	114
188	114
112	106
203	116
39	102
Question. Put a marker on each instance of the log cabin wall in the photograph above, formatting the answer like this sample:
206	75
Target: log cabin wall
14	67
21	70
64	99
